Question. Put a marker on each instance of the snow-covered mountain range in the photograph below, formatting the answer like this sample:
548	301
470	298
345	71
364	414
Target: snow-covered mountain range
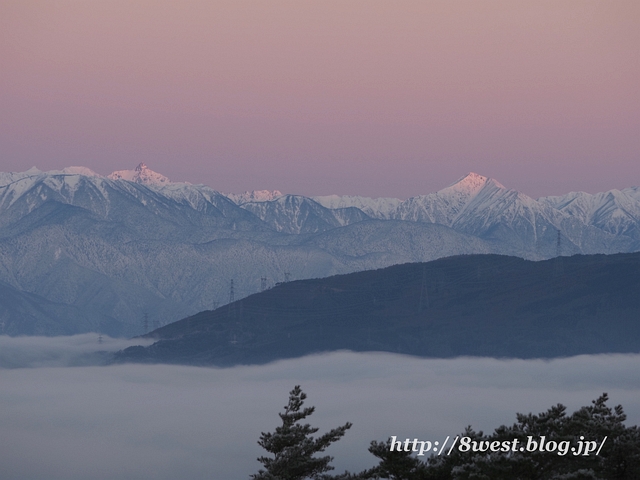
108	251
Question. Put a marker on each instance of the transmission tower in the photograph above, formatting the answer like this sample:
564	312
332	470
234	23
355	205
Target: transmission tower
558	270
263	284
232	308
145	322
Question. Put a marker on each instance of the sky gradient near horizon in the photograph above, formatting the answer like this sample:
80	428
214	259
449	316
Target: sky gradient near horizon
373	98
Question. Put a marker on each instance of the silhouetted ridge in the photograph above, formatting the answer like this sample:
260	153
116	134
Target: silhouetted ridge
480	305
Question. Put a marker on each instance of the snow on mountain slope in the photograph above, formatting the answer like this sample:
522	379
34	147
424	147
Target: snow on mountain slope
9	178
633	192
444	206
381	208
148	211
23	313
69	256
295	214
616	211
255	196
145	245
87	172
125	249
142	174
480	206
394	241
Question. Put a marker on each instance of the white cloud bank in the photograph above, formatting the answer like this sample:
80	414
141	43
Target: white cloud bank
62	351
167	422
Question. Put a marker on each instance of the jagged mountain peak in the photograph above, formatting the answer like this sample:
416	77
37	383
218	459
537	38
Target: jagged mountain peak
87	172
142	174
472	183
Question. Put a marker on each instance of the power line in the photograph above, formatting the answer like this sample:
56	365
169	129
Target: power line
232	297
558	259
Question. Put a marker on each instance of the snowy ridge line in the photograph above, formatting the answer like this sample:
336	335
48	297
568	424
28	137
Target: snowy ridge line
474	204
612	211
99	252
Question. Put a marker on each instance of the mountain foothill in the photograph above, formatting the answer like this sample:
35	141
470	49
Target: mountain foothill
468	305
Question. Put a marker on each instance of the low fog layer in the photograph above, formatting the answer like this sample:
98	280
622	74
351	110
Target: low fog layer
167	422
76	350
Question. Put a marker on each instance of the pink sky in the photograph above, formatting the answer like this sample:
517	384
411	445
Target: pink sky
377	98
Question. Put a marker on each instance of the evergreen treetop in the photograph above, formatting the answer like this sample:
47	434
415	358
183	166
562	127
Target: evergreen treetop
293	445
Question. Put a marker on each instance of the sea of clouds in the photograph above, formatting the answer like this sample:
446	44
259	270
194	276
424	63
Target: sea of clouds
64	416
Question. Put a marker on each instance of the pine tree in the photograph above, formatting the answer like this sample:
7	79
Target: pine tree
293	445
394	465
619	458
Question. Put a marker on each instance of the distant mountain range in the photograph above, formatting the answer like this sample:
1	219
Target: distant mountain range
478	305
110	251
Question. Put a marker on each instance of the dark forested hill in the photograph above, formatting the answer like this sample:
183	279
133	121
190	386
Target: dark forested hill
480	305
